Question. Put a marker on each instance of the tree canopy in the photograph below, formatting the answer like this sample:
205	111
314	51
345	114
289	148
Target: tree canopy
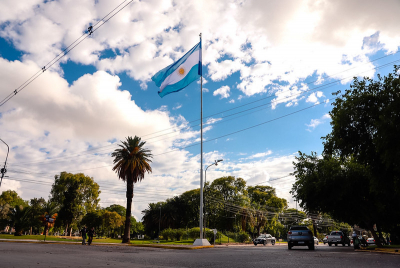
76	195
358	174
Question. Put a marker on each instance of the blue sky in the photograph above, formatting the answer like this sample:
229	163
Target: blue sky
271	58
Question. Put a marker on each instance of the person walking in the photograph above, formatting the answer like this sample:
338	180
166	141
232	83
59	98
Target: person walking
91	233
356	242
83	232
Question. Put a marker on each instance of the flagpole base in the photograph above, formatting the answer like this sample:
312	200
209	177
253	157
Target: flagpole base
201	242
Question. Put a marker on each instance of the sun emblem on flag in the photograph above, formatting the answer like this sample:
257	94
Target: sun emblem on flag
181	71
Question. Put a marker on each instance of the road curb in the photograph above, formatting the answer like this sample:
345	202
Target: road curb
394	251
170	247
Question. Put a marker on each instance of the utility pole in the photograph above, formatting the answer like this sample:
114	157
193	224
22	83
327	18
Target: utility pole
4	170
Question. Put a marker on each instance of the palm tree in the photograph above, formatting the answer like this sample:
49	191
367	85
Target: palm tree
19	216
131	162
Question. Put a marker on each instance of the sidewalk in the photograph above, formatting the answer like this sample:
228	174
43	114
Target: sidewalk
179	247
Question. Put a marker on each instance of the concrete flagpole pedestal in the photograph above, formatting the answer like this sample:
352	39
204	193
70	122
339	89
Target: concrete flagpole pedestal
201	242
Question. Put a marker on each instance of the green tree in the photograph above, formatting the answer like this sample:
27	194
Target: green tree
359	168
36	205
76	195
112	220
151	219
131	162
93	219
8	200
117	208
266	207
223	194
137	227
12	198
19	219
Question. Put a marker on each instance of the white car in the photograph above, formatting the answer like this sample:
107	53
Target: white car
316	242
371	241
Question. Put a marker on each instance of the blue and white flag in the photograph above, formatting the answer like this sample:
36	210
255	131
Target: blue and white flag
181	73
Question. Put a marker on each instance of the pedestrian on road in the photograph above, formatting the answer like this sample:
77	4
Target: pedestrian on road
91	233
83	231
356	242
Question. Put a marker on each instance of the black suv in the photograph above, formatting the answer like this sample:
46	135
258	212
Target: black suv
300	236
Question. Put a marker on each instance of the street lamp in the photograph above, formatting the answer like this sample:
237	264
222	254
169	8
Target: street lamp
205	180
4	170
159	225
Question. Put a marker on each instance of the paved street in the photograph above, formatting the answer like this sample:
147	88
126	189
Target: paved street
58	255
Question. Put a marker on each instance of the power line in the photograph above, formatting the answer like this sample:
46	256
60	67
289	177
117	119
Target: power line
269	103
232	133
88	33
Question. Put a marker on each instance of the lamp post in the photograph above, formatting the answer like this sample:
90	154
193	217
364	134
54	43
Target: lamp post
205	181
4	170
159	225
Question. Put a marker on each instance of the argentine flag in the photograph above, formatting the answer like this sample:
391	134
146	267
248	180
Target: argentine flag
181	73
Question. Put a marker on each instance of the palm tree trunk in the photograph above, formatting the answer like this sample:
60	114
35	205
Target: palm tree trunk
129	196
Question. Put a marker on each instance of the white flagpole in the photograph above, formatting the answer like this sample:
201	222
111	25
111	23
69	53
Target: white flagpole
201	241
201	141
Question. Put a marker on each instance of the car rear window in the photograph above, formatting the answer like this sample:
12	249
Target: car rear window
336	233
298	228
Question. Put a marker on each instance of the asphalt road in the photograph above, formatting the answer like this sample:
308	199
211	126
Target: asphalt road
56	255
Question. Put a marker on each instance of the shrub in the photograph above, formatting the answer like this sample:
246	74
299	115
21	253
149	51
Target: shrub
167	234
194	233
178	233
243	237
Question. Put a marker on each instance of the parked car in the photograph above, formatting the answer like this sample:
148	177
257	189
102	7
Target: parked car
338	237
300	236
325	240
316	242
264	239
370	241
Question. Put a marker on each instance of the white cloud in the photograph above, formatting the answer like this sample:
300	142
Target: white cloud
315	122
62	123
313	97
286	43
272	45
212	120
232	101
178	106
222	91
259	155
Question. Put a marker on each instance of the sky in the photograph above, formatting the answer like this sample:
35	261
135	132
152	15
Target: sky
269	71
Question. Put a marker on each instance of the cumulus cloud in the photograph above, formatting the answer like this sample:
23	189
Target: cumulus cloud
283	44
55	126
222	91
315	122
313	97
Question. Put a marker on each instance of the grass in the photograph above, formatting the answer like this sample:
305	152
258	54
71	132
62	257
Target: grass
95	240
38	237
223	240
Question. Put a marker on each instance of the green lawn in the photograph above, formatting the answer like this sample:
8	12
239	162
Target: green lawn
37	237
98	240
223	240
